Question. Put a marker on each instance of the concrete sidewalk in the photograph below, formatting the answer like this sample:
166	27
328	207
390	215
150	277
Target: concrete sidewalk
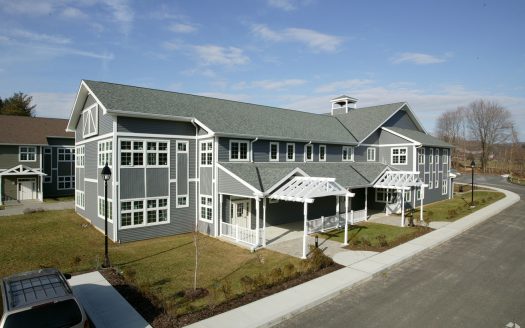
103	304
281	306
19	208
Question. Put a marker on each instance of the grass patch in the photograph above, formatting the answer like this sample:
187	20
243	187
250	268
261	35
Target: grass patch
59	199
517	180
460	187
375	236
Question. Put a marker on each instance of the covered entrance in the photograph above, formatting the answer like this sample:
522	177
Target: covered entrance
26	188
240	213
21	183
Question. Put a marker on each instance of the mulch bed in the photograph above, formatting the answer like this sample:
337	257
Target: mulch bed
158	318
419	231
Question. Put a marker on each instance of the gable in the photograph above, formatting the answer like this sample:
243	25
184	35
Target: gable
401	119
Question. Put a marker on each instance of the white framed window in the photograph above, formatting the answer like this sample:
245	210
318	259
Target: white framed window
65	182
206	208
444	187
182	201
437	158
90	121
348	153
421	156
206	153
370	154
274	151
131	153
384	195
445	156
309	153
436	180
239	150
322	153
80	199
182	146
418	194
408	196
156	153
144	212
79	156
47	150
136	153
66	154
431	156
27	154
290	152
430	185
399	156
102	207
105	153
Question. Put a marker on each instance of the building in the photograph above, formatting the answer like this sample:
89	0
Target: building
232	169
36	158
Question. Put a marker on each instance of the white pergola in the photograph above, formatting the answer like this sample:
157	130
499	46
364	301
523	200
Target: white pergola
401	181
22	170
305	190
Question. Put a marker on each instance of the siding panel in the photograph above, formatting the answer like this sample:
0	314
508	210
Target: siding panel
131	183
228	185
157	182
141	125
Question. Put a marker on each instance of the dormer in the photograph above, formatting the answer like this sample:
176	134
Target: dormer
343	104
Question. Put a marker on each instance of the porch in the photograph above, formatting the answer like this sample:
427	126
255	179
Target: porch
21	183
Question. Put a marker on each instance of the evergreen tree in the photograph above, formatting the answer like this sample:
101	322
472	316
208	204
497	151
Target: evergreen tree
19	104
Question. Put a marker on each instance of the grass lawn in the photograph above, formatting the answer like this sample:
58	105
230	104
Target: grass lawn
59	199
161	267
517	180
375	236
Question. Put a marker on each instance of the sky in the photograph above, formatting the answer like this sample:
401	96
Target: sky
297	54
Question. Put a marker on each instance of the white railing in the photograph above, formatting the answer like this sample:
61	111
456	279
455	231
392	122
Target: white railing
245	235
327	223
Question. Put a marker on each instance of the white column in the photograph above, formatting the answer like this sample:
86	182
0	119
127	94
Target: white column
345	241
41	180
1	178
264	221
337	210
366	203
421	209
221	202
402	207
257	216
305	212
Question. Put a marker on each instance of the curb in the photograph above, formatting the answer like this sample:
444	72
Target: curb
279	307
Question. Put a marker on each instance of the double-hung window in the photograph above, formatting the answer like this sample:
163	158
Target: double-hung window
238	150
322	153
370	154
431	157
399	156
309	153
27	154
206	153
105	153
445	156
444	187
79	156
102	208
437	159
137	153
348	153
132	153
157	153
274	151
80	199
206	212
290	152
421	156
66	154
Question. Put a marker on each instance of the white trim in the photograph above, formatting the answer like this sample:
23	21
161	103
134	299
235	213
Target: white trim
239	142
186	151
387	145
423	154
293	145
238	195
286	177
80	202
308	145
325	155
402	136
349	154
66	179
207	206
100	137
215	185
115	193
110	213
193	180
144	151
80	156
270	151
444	186
27	153
144	210
246	184
91	180
380	125
105	153
371	158
154	135
88	120
399	155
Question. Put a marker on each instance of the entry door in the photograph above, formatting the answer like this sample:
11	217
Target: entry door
26	189
240	213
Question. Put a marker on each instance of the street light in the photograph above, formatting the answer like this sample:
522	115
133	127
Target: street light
106	175
472	166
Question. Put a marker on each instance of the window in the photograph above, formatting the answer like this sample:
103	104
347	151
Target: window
436	177
418	193
79	156
384	195
408	196
48	179
66	182
142	212
182	146
399	156
309	153
421	156
90	121
444	187
102	207
437	158
66	154
207	153
290	152
80	199
430	186
370	154
182	201
322	153
47	151
105	153
238	150
157	153
348	153
274	151
27	154
131	153
137	153
206	205
445	156
431	157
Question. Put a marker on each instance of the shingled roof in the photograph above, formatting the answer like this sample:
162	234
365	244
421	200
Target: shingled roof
423	138
23	130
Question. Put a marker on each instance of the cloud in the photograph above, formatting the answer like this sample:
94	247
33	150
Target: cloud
286	5
27	7
270	84
217	55
121	12
44	38
182	28
53	104
341	86
317	41
73	13
418	58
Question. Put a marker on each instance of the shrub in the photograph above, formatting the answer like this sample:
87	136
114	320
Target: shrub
260	281
317	260
289	270
226	288
276	275
247	284
381	239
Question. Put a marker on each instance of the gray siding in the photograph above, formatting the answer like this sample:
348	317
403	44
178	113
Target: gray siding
285	212
157	182
141	125
373	139
206	177
100	183
90	159
401	120
79	178
182	174
9	157
105	122
384	155
132	183
228	185
389	138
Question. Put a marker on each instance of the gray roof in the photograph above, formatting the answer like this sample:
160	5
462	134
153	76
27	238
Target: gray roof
224	117
263	176
423	138
363	121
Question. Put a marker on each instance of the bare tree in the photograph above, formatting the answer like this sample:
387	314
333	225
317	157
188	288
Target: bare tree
451	126
489	123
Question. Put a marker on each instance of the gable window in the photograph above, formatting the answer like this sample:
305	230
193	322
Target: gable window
206	212
309	153
399	156
90	121
238	150
105	153
370	154
348	153
27	154
157	153
66	182
102	208
142	212
66	154
431	157
274	151
206	153
444	187
322	153
421	156
290	152
79	156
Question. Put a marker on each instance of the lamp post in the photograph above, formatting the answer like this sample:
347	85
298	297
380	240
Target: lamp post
106	175
472	166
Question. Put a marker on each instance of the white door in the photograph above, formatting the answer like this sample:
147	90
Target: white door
26	189
240	213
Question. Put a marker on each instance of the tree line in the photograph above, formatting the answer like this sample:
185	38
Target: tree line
18	104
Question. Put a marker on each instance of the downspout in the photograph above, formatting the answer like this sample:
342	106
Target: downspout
304	151
251	148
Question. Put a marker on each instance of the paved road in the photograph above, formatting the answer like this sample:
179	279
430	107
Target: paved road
474	280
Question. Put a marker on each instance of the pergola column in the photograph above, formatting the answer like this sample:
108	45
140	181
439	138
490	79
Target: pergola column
402	207
337	208
41	183
1	180
422	196
257	216
345	243
264	221
305	212
220	213
366	202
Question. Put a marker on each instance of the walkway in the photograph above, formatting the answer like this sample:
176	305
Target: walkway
16	208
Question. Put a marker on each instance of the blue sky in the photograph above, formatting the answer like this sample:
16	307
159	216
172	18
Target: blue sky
298	54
